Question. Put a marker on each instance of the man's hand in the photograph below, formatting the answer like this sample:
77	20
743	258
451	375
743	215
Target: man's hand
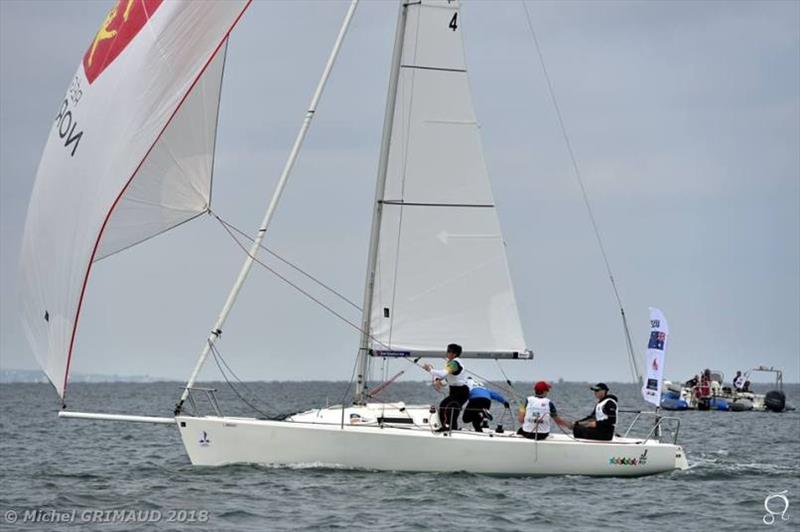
427	367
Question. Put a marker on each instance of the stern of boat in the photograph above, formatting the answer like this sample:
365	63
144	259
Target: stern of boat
681	460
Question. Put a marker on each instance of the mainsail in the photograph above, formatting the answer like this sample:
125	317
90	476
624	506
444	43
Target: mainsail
129	155
441	274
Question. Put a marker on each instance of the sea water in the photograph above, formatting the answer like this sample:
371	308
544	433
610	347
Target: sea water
66	474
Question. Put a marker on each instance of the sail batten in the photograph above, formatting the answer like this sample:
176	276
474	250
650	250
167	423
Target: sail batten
441	274
122	115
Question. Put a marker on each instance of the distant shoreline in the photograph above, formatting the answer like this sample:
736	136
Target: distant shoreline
38	377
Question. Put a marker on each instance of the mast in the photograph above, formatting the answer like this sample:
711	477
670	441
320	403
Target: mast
216	331
383	164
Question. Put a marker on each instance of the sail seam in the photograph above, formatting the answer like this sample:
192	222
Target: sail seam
124	188
402	203
440	69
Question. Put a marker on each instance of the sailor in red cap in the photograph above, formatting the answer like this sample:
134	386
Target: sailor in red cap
536	415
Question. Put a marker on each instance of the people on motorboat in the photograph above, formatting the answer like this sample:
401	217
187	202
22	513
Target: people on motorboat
537	413
738	381
702	391
599	425
480	401
455	376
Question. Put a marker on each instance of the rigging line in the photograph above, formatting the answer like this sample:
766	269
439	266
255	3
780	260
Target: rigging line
233	388
305	293
299	289
512	391
637	375
504	375
579	178
567	434
218	353
291	265
347	390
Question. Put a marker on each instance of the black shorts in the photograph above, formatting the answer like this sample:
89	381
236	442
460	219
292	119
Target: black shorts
533	435
593	433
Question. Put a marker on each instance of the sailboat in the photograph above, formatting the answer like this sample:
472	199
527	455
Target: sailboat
437	269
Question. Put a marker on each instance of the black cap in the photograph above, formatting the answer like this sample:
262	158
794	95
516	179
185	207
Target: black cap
599	386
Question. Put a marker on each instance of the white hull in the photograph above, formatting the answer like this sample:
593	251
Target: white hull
216	441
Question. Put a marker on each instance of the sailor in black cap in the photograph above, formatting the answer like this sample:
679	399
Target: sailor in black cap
599	425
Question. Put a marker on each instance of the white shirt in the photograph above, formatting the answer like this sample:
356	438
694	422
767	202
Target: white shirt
537	415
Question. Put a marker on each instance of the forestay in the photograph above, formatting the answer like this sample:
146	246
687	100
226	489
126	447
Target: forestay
129	155
441	273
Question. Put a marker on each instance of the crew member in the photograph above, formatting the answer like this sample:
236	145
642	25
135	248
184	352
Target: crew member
480	401
535	416
599	425
456	376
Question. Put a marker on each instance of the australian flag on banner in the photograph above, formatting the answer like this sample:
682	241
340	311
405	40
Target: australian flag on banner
656	340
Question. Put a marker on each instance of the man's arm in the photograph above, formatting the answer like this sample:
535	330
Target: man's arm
610	409
499	398
588	421
555	417
439	373
449	368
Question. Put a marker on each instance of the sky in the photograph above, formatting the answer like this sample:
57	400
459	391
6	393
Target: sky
684	118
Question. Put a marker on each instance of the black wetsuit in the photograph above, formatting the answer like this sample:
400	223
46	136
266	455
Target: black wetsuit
480	401
450	407
605	428
475	411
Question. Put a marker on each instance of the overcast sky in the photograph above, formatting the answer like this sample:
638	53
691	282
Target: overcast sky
684	117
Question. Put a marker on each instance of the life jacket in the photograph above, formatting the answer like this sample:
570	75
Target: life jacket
458	378
599	415
538	409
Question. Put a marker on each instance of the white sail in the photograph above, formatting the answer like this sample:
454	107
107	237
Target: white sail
173	185
124	159
441	273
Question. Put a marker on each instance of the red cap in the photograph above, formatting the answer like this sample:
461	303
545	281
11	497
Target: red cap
541	387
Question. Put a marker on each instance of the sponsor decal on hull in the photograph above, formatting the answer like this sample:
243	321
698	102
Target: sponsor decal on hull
629	461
